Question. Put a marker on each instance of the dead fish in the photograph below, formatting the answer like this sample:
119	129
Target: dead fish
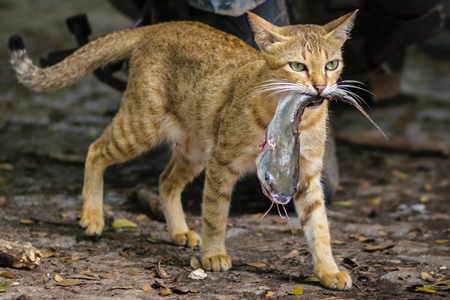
278	162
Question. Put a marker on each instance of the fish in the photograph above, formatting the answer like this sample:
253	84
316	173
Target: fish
278	163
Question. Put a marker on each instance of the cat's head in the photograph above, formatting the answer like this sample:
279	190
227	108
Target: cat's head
305	58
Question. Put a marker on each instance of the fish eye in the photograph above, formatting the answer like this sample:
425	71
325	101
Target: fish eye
268	178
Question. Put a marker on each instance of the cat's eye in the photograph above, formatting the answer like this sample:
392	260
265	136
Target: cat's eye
332	65
297	67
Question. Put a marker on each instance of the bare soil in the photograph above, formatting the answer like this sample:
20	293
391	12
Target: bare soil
390	219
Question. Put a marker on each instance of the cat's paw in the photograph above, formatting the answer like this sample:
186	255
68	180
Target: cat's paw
190	238
216	263
92	220
337	281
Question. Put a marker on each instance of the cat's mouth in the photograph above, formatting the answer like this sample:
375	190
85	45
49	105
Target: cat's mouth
316	102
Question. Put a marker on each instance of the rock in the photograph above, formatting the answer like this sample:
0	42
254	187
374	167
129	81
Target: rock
409	277
405	247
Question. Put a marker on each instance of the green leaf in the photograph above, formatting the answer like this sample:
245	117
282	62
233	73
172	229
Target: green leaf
311	279
122	223
152	240
297	291
425	289
3	285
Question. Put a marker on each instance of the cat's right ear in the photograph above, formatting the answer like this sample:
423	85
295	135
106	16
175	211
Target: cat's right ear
266	34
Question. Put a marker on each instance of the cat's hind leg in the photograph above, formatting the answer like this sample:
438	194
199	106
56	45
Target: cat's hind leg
129	134
179	172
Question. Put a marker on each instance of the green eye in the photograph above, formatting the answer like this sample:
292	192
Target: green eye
332	65
297	67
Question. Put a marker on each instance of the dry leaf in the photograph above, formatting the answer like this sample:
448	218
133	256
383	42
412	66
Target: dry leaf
3	181
399	175
255	264
120	287
427	277
122	223
405	268
106	207
88	271
64	215
382	246
106	276
26	221
141	217
39	233
198	274
428	187
364	185
374	201
345	203
259	234
160	270
58	278
133	273
293	253
100	249
147	287
441	242
6	167
297	291
125	254
165	292
83	276
256	216
8	275
337	242
195	264
69	282
424	199
269	294
278	220
49	252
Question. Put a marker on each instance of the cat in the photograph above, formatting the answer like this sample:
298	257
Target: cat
211	96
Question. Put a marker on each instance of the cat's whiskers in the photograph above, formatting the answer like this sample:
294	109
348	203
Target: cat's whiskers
277	86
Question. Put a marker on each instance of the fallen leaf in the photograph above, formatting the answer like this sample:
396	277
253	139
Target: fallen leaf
400	175
141	217
49	252
122	223
427	277
125	254
264	288
6	167
382	233
195	264
100	249
120	287
69	282
58	278
3	201
83	276
337	242
64	216
350	262
364	185
165	292
311	279
269	294
345	203
39	233
160	271
26	221
152	240
424	199
441	242
425	289
385	245
3	181
259	234
147	287
374	201
405	268
255	264
297	291
88	271
106	276
278	220
256	216
106	207
428	187
8	275
293	253
198	274
3	285
133	273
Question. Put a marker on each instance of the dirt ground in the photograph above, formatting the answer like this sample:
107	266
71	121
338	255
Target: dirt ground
390	221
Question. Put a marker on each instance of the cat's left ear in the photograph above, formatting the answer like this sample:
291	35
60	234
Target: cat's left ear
266	34
340	28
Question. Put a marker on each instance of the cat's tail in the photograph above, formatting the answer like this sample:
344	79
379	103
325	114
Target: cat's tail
113	47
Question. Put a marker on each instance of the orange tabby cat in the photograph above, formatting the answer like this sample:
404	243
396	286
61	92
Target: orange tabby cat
211	96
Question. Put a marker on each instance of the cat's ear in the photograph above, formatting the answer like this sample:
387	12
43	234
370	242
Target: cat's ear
341	27
266	34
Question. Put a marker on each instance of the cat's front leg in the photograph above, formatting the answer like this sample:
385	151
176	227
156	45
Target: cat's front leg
219	182
310	207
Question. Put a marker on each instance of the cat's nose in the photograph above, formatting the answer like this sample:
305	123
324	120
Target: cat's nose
320	88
